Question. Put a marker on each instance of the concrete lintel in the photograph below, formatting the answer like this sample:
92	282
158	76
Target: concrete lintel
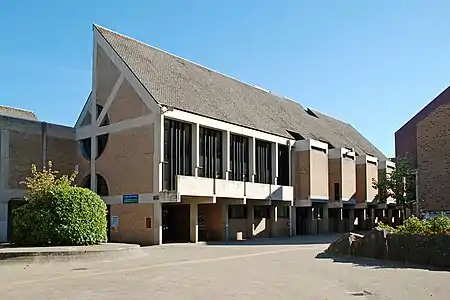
259	202
198	200
360	205
303	203
335	204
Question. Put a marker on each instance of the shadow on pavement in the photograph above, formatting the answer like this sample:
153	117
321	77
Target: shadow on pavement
296	240
374	263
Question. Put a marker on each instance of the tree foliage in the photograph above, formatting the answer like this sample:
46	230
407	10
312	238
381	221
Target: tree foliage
58	213
398	185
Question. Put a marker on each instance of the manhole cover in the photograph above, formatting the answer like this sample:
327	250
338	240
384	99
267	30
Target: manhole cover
361	293
79	269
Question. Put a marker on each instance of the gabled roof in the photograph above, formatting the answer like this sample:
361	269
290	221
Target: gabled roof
184	85
17	113
348	135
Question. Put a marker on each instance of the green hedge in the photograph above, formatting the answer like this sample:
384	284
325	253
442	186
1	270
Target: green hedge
63	215
412	225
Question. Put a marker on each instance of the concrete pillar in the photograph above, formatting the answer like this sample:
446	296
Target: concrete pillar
157	223
250	220
226	155
351	220
273	216
226	233
371	218
390	222
292	221
252	159
274	165
3	222
311	224
195	148
324	222
193	222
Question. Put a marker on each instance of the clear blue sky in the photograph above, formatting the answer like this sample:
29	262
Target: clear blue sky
373	63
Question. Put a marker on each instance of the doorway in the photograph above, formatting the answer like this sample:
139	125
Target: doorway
175	223
302	220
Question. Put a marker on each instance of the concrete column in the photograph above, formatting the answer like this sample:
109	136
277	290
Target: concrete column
94	127
226	233
157	223
252	159
311	224
390	222
274	163
292	221
371	218
193	217
351	220
226	155
325	222
3	222
273	220
250	220
195	148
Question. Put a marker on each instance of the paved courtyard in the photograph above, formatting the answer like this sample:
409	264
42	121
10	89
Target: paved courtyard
279	269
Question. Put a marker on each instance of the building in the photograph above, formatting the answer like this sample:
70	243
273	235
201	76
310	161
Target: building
183	153
425	140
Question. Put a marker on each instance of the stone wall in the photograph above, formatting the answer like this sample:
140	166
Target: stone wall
432	250
427	250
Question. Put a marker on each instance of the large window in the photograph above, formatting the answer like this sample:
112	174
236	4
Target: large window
102	140
177	152
283	165
283	212
210	151
261	211
239	158
263	160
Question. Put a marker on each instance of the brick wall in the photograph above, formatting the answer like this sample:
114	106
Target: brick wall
433	157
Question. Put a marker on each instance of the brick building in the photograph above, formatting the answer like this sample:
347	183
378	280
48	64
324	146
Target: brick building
425	140
180	152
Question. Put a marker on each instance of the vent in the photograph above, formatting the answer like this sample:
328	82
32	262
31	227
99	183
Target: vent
297	136
311	113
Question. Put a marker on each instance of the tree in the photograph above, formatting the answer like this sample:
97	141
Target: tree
399	185
58	213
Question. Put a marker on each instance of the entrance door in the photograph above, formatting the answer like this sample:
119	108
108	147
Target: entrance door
175	223
302	217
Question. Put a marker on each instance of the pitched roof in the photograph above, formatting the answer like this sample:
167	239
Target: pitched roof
347	134
17	113
187	86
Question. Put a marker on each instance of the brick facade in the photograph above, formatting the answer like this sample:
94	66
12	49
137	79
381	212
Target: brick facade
433	159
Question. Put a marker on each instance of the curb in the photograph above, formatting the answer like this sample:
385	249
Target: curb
71	253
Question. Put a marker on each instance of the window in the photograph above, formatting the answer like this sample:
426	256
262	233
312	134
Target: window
102	140
337	191
239	158
372	162
102	186
283	165
261	211
177	152
210	153
263	160
283	212
237	211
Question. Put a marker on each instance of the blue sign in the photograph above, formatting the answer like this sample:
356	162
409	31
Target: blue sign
130	199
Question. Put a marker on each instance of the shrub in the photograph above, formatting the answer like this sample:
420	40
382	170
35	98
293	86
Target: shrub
57	213
412	225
